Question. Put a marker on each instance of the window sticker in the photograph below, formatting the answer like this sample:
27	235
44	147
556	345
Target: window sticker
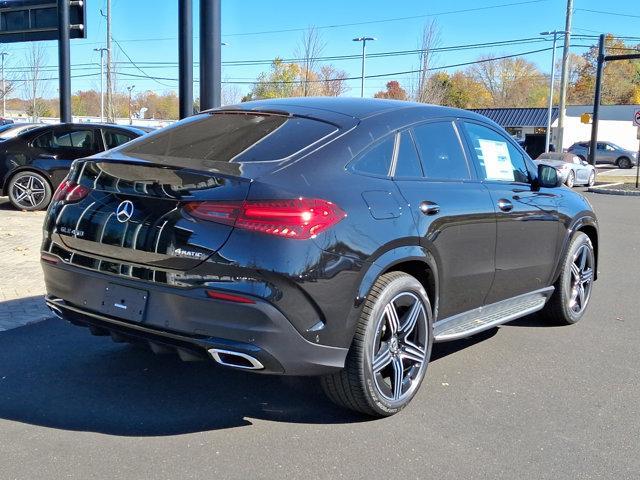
497	161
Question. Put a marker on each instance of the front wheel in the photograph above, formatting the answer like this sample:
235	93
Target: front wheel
573	288
390	351
29	191
592	179
624	163
571	179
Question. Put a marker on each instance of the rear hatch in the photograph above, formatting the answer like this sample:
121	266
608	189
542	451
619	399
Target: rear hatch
134	209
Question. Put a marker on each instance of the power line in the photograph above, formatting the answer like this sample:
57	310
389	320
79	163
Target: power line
136	66
604	12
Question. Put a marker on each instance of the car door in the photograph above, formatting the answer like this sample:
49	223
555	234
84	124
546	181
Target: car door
114	138
581	170
528	224
453	212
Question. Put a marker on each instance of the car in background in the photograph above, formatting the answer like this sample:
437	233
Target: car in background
571	168
36	161
12	130
5	121
606	152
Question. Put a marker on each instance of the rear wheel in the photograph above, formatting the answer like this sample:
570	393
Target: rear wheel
571	179
573	288
624	162
390	350
29	191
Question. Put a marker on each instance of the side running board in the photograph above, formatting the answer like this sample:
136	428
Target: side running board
474	321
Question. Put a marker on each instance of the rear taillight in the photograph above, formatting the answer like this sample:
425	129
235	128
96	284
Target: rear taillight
70	192
299	218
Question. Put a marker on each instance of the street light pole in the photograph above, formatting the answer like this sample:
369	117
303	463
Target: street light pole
101	50
130	89
364	41
4	87
564	77
552	82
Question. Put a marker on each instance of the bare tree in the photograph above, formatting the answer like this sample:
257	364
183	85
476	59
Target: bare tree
230	94
308	50
427	90
331	81
34	85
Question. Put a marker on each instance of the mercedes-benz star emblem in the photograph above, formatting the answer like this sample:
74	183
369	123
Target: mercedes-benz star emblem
124	211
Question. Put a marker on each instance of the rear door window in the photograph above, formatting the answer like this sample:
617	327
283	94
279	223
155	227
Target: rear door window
441	152
113	139
231	137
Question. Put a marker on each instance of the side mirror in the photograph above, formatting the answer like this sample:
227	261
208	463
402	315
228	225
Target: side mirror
584	162
548	177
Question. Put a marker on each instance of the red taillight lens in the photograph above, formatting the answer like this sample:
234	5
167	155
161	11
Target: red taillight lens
299	218
69	191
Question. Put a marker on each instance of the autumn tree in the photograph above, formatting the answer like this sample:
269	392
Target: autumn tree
393	91
462	91
510	82
621	80
331	81
282	81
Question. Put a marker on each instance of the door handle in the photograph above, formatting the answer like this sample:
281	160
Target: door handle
429	208
505	205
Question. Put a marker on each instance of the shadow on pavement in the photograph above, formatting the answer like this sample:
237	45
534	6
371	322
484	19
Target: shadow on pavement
59	376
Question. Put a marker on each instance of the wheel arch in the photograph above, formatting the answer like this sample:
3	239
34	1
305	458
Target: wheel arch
623	157
589	226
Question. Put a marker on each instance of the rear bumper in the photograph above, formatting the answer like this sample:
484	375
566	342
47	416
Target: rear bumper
186	321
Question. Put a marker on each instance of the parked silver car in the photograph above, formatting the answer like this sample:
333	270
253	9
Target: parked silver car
606	152
572	169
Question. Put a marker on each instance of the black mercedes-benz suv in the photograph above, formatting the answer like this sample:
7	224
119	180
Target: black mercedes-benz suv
317	236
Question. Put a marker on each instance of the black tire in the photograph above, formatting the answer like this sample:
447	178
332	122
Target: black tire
624	163
592	179
560	308
357	387
571	179
29	191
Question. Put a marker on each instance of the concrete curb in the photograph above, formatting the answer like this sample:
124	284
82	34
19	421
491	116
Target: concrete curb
610	189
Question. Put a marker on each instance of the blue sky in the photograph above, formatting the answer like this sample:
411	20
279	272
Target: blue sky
147	31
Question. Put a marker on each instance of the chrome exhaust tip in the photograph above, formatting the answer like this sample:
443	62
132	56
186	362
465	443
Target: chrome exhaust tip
235	359
56	311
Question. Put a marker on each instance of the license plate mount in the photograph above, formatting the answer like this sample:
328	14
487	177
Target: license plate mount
124	302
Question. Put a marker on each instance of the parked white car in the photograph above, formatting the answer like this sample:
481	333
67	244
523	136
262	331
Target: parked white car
572	169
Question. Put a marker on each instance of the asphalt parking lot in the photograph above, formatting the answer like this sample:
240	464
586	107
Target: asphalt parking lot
526	400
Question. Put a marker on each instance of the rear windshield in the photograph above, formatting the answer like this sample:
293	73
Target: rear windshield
230	137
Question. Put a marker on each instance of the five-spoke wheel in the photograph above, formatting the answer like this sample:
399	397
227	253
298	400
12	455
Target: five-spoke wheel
390	351
29	191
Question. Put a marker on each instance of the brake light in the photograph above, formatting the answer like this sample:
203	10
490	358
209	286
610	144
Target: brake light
228	297
70	192
299	218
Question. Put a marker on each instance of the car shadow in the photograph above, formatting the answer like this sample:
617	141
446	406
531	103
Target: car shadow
59	376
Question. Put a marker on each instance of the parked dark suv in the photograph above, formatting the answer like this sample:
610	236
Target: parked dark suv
331	237
34	162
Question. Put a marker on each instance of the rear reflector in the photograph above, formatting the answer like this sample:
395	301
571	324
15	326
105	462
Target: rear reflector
229	297
299	218
52	259
70	192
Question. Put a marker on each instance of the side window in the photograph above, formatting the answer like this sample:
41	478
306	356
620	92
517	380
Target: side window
407	161
114	139
497	158
377	159
84	139
440	151
600	146
44	141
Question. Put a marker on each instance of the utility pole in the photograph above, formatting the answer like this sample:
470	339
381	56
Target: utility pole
564	80
130	89
4	87
552	82
185	57
210	53
101	50
364	41
110	110
64	61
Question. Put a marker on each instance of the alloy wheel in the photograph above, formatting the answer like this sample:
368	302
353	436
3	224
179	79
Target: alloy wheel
28	191
581	279
399	352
